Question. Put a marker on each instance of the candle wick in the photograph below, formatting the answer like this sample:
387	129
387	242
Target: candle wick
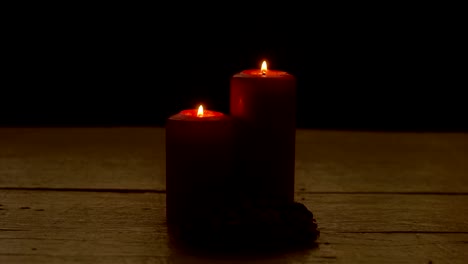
263	72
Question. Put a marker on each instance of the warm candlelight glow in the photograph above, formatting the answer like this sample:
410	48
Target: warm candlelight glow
264	68
200	111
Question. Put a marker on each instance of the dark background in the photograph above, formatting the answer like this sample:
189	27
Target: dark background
367	70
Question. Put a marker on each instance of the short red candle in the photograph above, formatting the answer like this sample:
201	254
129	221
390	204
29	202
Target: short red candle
198	163
263	103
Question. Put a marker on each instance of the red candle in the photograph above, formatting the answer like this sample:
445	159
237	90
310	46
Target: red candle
263	103
198	163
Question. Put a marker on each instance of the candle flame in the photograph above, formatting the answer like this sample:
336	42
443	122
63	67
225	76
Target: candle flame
200	111
264	67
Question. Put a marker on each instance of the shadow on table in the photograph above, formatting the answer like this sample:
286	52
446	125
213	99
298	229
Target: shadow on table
241	249
193	254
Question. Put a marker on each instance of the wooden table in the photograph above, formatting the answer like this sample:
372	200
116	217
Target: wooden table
96	195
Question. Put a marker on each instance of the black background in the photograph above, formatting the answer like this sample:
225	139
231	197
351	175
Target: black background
372	69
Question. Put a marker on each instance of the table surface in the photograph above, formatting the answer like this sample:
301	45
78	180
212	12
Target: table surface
96	195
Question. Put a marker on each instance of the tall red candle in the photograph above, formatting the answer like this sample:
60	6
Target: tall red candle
198	164
263	103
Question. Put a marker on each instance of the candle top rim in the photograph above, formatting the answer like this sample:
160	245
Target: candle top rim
257	73
206	113
191	114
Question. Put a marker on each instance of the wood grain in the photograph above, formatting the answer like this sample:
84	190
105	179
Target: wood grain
96	195
326	161
103	227
117	158
334	161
